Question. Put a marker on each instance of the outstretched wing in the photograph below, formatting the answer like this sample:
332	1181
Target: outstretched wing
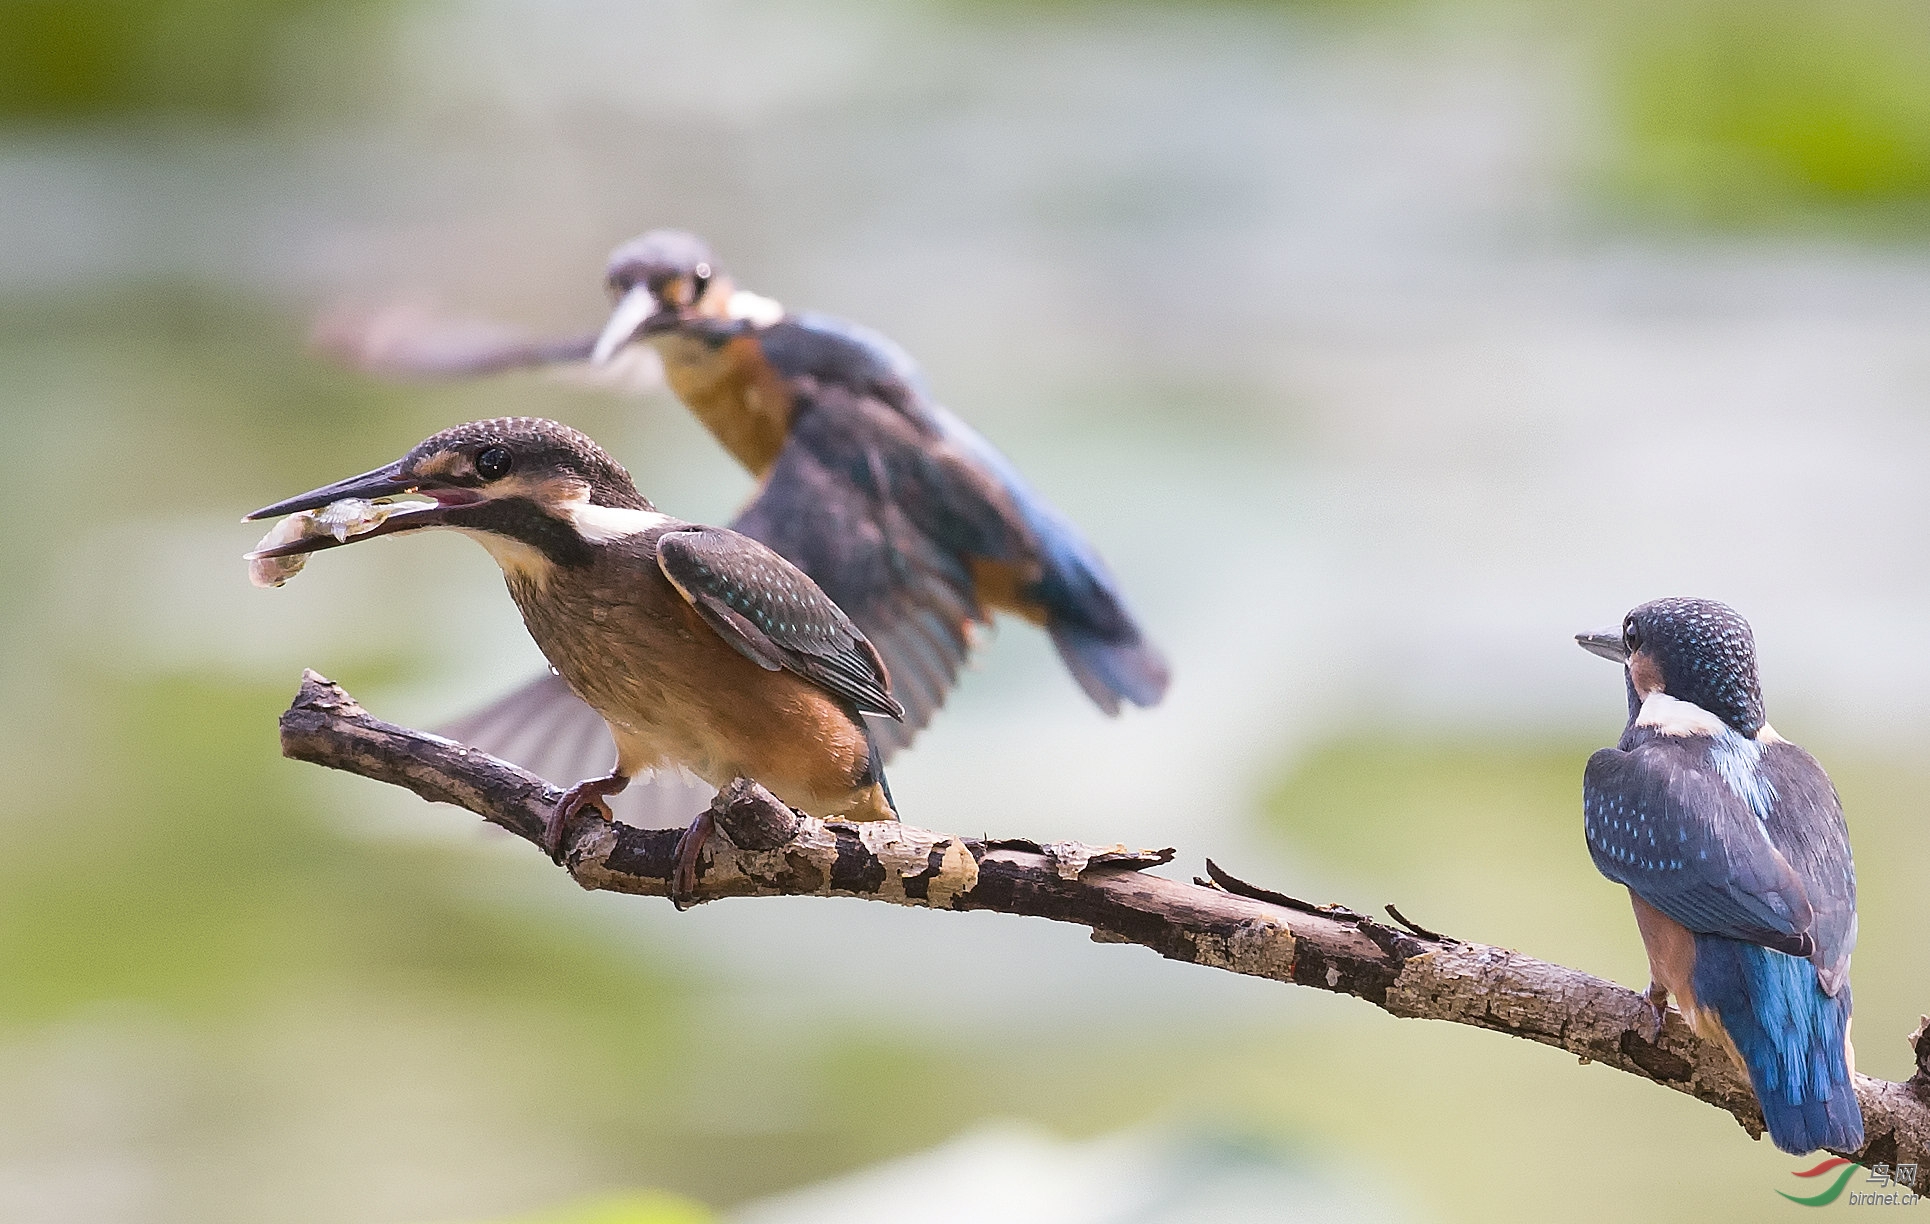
408	342
857	504
774	615
1680	838
967	496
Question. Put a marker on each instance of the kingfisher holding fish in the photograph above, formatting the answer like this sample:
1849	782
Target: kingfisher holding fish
698	647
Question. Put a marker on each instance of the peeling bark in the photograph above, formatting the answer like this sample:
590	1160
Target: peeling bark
763	848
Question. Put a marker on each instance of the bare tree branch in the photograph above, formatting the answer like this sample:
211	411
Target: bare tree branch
766	849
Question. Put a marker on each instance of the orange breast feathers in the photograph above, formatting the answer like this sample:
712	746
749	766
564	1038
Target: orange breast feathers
771	726
675	693
735	392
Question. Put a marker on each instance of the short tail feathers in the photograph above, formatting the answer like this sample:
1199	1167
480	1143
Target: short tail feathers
1794	1040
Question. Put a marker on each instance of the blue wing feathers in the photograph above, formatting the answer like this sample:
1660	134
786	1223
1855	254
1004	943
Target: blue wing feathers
1807	826
1685	843
1074	575
1085	613
877	350
1793	1038
1096	636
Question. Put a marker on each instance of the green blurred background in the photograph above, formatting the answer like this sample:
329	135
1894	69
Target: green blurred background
1380	346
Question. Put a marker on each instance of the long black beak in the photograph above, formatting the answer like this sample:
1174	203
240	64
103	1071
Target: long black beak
637	313
382	483
1604	642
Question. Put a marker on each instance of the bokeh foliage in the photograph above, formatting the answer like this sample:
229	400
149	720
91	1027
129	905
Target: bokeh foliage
622	1209
1753	111
87	59
1724	112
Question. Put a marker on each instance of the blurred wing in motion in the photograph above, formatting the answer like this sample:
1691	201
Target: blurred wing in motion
879	425
410	341
907	593
545	728
1074	595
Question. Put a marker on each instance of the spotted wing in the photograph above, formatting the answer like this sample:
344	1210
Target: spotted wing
1673	831
774	615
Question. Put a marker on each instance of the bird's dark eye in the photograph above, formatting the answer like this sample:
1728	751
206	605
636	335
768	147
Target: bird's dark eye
1631	637
699	281
493	463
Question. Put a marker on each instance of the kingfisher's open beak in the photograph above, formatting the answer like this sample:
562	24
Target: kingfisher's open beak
379	485
1604	642
637	313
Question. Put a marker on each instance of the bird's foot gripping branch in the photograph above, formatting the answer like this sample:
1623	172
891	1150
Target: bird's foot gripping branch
766	849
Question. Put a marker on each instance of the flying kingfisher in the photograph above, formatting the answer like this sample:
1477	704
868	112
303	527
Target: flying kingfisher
1732	844
698	647
902	514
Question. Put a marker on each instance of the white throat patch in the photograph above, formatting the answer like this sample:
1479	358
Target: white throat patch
601	524
518	560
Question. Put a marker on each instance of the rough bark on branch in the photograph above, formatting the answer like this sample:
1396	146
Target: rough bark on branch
765	849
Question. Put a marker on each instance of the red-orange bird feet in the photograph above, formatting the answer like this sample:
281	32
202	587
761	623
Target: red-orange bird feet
683	880
589	793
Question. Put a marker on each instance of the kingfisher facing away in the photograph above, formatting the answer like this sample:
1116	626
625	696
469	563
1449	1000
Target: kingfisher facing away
906	517
700	648
1732	844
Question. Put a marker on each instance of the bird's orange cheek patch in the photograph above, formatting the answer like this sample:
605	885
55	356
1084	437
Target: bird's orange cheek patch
1645	672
